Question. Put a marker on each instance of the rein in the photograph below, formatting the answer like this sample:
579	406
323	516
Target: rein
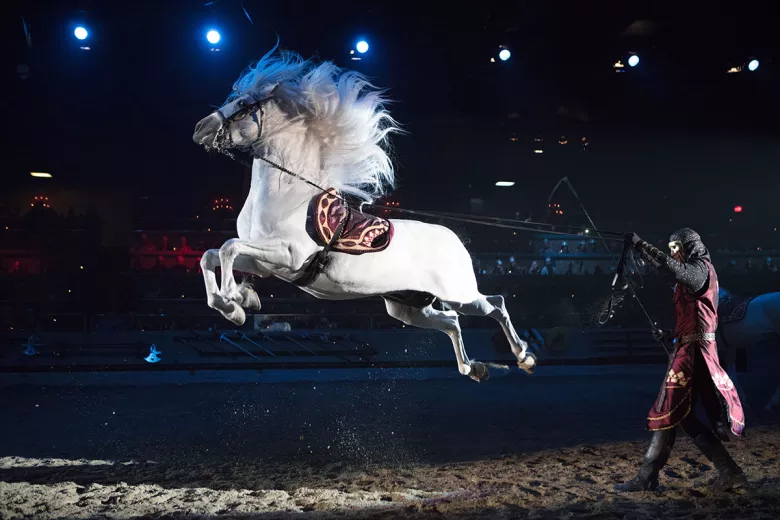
455	217
246	102
321	258
608	311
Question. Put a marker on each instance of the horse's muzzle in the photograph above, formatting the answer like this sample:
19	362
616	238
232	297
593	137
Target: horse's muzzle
206	129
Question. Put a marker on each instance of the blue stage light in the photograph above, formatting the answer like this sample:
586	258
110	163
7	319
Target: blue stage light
504	54
80	33
753	65
362	46
213	37
633	61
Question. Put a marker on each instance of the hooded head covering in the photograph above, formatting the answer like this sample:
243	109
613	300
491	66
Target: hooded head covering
692	246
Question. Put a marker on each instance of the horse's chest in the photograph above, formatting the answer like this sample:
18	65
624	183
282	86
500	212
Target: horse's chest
253	223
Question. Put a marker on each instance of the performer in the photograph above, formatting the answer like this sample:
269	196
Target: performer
694	372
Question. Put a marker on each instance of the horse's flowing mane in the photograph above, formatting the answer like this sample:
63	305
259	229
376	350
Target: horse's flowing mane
340	109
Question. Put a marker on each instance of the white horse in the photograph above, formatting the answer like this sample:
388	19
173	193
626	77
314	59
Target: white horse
759	323
328	127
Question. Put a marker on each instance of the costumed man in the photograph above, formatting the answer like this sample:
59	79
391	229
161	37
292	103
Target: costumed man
694	372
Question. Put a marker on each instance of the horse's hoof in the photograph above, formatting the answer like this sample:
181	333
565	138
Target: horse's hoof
528	364
252	301
479	372
238	316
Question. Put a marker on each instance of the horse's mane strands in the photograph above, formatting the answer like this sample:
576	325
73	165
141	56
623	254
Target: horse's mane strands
342	110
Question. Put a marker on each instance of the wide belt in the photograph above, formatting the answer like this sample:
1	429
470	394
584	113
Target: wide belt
695	338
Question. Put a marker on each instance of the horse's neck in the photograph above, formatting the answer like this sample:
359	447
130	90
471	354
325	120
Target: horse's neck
276	200
272	186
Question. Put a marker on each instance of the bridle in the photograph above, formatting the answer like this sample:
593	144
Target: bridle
222	143
245	104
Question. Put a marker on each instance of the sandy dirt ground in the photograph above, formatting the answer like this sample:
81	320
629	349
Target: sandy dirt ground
513	447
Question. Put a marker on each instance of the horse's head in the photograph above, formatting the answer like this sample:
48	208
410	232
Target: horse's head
327	123
240	122
265	99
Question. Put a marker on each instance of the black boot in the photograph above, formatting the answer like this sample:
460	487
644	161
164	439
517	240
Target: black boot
730	475
657	454
722	430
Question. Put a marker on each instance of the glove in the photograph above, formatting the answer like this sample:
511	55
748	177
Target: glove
661	336
633	239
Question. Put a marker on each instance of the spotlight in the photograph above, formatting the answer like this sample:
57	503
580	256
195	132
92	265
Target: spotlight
633	61
753	65
504	54
80	33
213	37
362	46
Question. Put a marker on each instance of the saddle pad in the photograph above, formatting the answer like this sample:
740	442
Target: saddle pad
362	233
733	308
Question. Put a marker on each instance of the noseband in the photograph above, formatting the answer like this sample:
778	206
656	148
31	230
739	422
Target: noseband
245	104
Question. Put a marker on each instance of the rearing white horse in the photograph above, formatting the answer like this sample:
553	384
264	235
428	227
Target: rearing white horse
330	127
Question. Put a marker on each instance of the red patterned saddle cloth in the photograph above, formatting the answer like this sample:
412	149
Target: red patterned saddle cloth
361	233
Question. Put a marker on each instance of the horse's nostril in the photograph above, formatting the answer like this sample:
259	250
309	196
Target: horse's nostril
201	129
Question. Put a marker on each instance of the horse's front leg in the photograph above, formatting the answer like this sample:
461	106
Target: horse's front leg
208	264
254	257
247	297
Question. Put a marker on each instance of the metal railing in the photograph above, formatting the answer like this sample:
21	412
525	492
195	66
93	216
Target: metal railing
625	343
87	323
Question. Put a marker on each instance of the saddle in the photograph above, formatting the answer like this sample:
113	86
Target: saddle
360	233
733	308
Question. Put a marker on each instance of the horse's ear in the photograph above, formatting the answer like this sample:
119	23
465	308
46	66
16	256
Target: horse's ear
272	90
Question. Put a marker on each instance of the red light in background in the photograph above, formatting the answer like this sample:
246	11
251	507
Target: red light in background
737	209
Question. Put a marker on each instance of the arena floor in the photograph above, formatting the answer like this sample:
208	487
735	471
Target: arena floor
513	447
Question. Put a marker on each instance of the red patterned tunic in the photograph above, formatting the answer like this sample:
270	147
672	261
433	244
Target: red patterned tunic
697	321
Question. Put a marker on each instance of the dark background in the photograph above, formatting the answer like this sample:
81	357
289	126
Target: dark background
675	141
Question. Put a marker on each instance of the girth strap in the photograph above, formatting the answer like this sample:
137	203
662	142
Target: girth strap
321	258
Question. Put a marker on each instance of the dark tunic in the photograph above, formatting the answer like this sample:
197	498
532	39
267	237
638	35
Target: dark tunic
694	366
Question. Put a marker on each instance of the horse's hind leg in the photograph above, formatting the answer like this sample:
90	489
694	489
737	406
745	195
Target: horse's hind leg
445	321
494	307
